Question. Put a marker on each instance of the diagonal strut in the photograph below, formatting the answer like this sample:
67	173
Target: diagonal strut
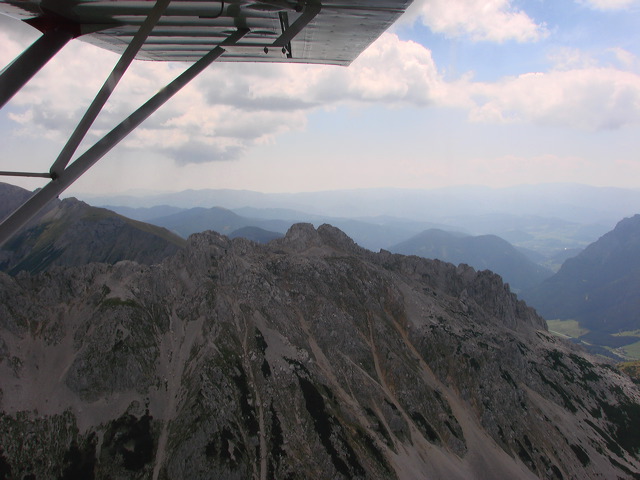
103	95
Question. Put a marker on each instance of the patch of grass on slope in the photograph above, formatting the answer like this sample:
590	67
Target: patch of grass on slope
567	328
631	351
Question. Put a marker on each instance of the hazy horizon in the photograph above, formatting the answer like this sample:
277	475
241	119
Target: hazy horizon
148	192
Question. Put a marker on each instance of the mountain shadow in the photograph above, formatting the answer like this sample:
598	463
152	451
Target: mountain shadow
70	232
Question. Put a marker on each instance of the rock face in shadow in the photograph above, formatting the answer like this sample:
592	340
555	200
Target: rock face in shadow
308	357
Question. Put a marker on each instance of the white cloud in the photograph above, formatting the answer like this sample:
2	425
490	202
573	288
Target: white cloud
616	58
394	71
230	107
480	20
589	98
567	58
609	4
255	104
389	71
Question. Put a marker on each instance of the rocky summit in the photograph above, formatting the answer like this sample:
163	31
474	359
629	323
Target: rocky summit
308	357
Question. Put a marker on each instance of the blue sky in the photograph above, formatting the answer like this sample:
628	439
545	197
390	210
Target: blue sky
458	92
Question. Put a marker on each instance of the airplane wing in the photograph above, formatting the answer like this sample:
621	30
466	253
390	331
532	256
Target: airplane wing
325	32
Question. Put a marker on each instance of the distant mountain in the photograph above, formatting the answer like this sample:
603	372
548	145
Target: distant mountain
548	235
145	214
279	213
70	232
600	287
545	218
570	202
484	252
256	234
11	197
541	239
372	233
221	220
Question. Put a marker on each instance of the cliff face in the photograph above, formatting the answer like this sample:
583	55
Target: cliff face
304	358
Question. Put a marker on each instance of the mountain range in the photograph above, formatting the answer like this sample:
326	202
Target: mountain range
582	204
370	233
481	252
307	357
196	220
549	221
545	241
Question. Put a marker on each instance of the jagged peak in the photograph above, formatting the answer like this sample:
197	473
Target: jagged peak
302	236
208	238
338	239
326	239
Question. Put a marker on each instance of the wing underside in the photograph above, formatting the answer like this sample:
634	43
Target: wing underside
327	32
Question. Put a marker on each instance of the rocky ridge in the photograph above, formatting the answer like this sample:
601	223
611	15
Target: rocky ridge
308	357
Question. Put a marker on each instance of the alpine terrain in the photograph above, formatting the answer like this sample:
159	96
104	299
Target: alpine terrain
307	357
